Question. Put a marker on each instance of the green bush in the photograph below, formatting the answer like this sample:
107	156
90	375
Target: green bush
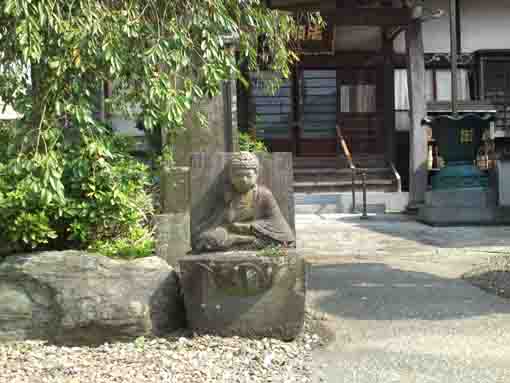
86	193
249	144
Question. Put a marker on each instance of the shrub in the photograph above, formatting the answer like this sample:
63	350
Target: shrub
247	143
87	193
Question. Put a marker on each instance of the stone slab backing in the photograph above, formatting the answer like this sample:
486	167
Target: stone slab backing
209	176
217	136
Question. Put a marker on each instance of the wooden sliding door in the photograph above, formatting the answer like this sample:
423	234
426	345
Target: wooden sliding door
270	112
318	105
351	98
361	111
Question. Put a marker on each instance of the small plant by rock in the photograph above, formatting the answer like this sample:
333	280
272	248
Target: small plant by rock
274	251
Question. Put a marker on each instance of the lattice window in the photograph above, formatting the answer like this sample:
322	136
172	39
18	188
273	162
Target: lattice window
269	112
318	103
466	136
497	90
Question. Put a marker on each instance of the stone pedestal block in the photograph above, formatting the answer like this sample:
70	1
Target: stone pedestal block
174	189
244	294
172	232
172	227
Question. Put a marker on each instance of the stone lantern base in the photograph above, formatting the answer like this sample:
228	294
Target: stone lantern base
463	206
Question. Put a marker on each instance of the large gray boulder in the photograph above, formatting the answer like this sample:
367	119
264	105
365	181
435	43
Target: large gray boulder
75	297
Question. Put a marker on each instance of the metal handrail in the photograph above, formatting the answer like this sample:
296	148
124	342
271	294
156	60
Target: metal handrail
397	177
345	148
352	166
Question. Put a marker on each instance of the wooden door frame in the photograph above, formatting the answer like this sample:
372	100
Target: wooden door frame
300	109
379	62
377	72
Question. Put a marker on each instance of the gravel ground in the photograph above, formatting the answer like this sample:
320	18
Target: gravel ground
494	277
181	358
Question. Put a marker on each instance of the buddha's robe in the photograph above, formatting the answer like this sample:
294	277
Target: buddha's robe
259	209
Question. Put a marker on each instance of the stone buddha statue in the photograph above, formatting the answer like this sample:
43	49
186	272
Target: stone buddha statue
248	218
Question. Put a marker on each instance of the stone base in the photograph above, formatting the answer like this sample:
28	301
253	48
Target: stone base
468	206
452	216
242	293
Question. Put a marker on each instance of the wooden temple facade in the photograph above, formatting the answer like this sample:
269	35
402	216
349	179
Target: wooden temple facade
370	78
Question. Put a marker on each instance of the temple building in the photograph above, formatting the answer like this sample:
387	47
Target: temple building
365	84
363	87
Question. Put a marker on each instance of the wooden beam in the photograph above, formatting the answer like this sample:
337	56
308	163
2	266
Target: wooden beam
418	172
368	16
341	59
459	25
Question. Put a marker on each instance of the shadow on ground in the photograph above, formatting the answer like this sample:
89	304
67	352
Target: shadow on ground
406	227
375	291
493	279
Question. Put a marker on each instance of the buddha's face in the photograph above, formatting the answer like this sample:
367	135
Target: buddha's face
243	180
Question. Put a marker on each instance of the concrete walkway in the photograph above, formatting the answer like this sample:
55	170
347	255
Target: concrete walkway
399	310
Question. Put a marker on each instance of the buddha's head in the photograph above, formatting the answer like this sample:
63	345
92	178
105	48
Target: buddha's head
244	169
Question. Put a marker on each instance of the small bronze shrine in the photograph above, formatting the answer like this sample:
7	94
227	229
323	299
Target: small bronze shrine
458	139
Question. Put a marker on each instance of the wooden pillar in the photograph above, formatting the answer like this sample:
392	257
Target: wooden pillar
100	97
243	95
108	93
454	52
294	114
389	99
418	109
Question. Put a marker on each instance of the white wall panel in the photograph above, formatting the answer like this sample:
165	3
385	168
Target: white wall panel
484	25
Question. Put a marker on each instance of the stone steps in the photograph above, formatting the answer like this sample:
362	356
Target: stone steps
341	203
338	162
333	174
313	180
342	171
341	185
